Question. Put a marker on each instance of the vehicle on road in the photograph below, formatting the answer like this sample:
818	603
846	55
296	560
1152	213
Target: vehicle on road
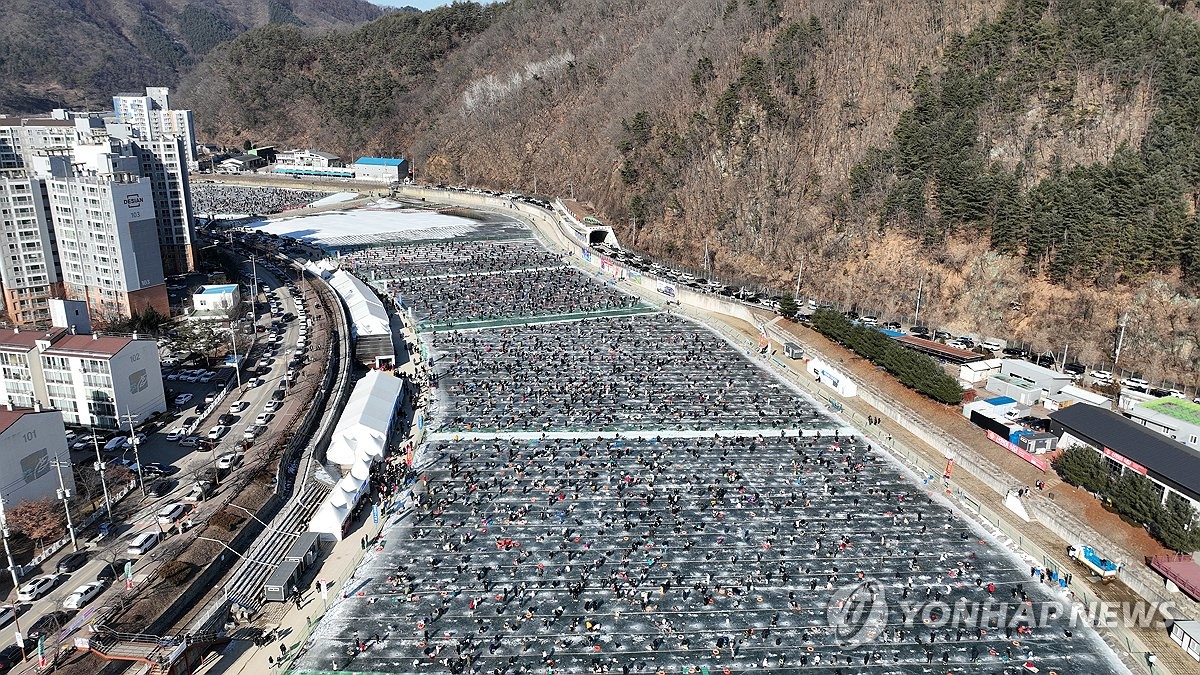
239	406
47	624
170	513
200	491
217	432
263	418
8	614
183	399
116	443
251	432
36	587
112	571
72	562
83	595
255	382
273	406
176	434
141	543
161	488
160	469
10	657
190	441
229	460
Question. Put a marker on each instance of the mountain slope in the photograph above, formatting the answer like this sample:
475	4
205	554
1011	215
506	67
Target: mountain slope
874	150
77	53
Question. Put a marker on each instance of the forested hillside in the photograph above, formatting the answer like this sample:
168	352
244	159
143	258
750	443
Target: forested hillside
1031	166
77	53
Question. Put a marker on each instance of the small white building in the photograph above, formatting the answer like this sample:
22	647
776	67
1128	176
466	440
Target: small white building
1070	395
978	371
239	163
31	440
216	302
380	169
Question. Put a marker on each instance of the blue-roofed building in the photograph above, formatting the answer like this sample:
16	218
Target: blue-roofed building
380	169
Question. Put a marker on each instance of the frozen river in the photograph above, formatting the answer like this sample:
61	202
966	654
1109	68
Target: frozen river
642	498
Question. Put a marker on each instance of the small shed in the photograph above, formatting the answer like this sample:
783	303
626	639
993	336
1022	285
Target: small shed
1038	442
1186	634
305	550
793	350
283	582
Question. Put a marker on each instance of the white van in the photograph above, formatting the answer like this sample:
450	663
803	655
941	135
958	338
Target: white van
142	543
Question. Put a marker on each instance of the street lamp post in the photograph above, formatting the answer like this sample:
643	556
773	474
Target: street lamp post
100	466
65	495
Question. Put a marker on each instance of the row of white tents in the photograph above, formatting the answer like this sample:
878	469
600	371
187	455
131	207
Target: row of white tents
359	441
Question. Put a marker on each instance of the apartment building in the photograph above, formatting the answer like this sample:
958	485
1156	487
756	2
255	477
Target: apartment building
32	442
21	381
28	268
107	243
165	141
92	380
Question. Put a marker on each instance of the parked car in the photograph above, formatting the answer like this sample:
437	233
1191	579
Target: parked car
8	614
36	587
217	432
83	595
183	399
176	434
992	345
239	406
251	432
226	419
1135	383
116	443
229	460
10	657
207	377
139	544
1102	376
254	382
161	488
170	513
199	492
273	406
112	571
47	624
71	562
190	441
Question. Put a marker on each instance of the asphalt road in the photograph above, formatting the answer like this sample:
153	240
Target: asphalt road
188	460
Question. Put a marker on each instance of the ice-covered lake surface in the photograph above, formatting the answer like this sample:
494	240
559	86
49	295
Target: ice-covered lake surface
730	525
387	222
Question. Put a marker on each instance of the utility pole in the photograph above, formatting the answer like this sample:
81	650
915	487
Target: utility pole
12	568
254	291
1120	338
136	457
920	290
65	495
100	466
237	366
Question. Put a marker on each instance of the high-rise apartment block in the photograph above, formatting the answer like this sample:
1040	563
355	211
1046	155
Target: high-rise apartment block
95	208
166	143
